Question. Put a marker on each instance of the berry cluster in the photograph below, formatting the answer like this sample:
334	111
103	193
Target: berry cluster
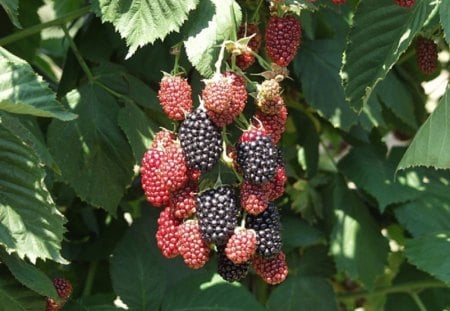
405	3
426	55
240	221
64	290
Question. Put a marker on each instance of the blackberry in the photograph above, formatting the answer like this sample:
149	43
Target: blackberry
257	159
217	212
201	141
268	231
228	270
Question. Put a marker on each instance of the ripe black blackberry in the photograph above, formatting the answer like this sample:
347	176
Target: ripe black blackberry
257	159
201	141
217	213
268	231
228	270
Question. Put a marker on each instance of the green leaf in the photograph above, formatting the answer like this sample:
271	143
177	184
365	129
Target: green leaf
303	293
138	129
377	177
11	8
33	225
29	275
430	253
141	22
92	303
424	216
22	91
137	274
23	131
444	11
382	31
318	63
93	154
431	145
217	295
213	22
397	97
356	242
297	233
13	296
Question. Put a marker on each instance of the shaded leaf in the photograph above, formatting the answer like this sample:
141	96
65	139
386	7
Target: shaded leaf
141	22
31	225
216	295
13	296
22	91
356	242
93	154
213	22
444	11
377	177
431	145
138	129
137	274
382	31
92	303
11	8
298	233
29	275
430	253
303	293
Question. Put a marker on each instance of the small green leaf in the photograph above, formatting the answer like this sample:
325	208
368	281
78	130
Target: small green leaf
382	31
431	145
138	129
141	22
31	225
430	253
213	22
303	293
22	91
11	8
356	242
29	275
92	152
217	295
138	276
444	11
377	177
14	296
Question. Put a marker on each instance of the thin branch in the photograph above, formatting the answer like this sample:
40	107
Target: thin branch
38	28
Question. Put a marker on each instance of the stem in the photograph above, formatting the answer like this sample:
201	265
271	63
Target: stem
78	56
256	13
218	64
90	278
418	301
328	154
114	93
401	288
262	61
37	28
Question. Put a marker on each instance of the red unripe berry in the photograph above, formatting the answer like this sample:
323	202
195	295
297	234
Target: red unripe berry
241	246
405	3
246	59
283	36
218	93
167	233
237	103
254	198
175	95
271	270
184	200
338	2
426	55
276	185
192	248
64	290
274	125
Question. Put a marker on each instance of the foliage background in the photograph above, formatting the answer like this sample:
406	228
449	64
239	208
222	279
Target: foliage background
366	215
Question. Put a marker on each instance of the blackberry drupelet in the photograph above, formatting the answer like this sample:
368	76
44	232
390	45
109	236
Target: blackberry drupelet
268	231
217	213
257	159
228	270
201	141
